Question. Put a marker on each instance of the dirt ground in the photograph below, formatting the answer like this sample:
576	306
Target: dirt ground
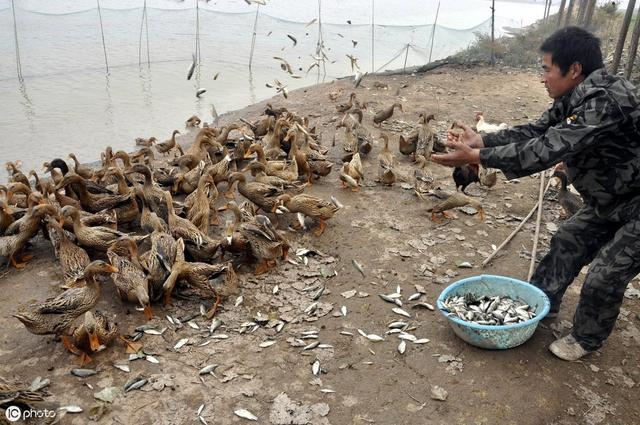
389	232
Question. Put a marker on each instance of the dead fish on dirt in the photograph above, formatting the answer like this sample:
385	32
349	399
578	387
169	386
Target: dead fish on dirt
208	369
492	311
358	267
215	324
135	384
315	368
83	373
245	414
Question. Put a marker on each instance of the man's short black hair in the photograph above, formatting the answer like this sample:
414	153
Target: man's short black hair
574	44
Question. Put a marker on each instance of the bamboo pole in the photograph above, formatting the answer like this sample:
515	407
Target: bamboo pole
373	25
406	55
144	11
433	32
493	29
536	236
633	48
253	39
104	46
15	34
146	26
515	231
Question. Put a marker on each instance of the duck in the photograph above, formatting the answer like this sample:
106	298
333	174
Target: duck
220	169
33	200
233	240
193	121
24	190
73	259
147	143
182	228
166	146
56	163
426	135
153	196
45	187
309	205
200	212
98	238
569	201
265	243
55	316
407	144
149	220
263	195
129	211
386	162
12	392
350	143
386	113
158	260
257	171
424	180
130	279
142	156
6	216
344	107
464	175
269	166
95	333
272	142
488	177
455	200
81	170
198	275
12	245
89	201
188	182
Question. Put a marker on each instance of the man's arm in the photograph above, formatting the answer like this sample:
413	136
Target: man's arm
519	133
557	144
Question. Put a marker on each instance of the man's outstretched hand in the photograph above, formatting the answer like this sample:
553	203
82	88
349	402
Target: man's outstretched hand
466	145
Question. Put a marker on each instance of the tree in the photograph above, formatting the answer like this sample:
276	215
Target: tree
581	11
568	15
623	36
591	7
560	10
634	46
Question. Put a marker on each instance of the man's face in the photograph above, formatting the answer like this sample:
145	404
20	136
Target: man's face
558	85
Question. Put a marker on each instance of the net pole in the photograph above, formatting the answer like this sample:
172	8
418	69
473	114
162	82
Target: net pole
373	25
433	32
146	25
253	39
104	46
15	34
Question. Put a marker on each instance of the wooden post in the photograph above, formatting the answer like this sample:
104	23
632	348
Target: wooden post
560	12
569	14
622	37
104	46
591	7
493	29
406	55
633	49
536	236
253	39
373	24
433	32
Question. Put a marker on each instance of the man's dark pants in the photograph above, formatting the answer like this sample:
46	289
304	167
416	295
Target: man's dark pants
611	243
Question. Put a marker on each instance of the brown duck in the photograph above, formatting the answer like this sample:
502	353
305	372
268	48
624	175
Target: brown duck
166	146
56	315
457	199
386	113
311	206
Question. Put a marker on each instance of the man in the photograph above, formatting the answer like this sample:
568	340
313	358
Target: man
593	127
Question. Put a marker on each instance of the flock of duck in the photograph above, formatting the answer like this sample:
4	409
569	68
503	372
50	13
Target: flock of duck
151	221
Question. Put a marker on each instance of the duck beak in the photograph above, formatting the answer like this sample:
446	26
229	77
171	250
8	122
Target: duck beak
223	208
111	269
94	342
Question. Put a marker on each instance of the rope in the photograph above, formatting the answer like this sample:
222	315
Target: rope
433	32
15	34
104	46
392	59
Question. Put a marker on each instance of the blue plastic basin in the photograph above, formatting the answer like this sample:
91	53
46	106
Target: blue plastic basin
496	337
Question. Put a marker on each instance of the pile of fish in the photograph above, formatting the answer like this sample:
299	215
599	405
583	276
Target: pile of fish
488	310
